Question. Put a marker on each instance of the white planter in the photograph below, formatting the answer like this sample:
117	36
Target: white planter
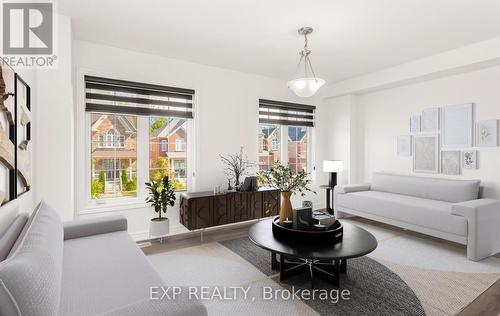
159	228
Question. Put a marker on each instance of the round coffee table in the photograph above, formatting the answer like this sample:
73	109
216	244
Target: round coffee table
325	261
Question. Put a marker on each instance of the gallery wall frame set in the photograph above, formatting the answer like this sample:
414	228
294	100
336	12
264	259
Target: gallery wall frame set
15	135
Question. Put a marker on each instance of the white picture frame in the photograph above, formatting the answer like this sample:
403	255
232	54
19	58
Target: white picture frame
469	159
426	153
457	126
430	120
404	145
451	161
487	133
415	124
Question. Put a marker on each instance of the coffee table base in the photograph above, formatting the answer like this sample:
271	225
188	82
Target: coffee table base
328	270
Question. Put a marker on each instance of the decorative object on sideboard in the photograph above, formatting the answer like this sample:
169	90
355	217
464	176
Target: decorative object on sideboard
430	120
161	196
457	126
236	165
426	153
282	178
333	167
487	133
250	184
404	146
469	159
307	85
415	122
450	162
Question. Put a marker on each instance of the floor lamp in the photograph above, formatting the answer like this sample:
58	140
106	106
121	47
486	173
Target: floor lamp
333	167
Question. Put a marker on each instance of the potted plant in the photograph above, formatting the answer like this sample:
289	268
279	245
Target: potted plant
161	195
282	178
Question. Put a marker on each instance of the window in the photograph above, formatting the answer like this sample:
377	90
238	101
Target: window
113	168
100	141
120	113
284	134
111	138
165	162
179	144
164	145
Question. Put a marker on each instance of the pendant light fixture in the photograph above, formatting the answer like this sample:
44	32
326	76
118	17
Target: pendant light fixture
309	84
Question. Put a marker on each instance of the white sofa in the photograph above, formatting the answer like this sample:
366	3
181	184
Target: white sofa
444	208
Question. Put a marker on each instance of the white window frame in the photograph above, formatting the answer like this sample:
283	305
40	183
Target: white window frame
84	204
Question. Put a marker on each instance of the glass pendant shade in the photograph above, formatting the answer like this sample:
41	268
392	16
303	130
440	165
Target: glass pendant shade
305	87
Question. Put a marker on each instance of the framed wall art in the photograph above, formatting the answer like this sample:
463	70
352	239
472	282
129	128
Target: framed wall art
23	136
456	126
487	133
469	159
426	153
430	120
415	124
7	134
404	145
450	162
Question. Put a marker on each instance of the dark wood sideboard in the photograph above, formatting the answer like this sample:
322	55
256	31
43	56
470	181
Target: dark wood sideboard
206	209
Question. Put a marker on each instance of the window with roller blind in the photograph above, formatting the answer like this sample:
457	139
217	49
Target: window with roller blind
122	113
285	133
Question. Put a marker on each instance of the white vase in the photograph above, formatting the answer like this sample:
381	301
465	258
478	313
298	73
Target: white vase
159	228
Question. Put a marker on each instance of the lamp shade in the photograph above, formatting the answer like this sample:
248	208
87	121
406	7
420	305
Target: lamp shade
333	165
305	87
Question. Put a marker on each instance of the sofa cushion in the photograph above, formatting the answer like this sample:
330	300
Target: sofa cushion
449	190
104	272
8	239
30	277
413	210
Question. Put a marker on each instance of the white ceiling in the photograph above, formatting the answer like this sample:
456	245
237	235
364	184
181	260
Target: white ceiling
351	37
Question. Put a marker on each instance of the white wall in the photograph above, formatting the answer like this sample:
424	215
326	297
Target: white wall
226	115
385	114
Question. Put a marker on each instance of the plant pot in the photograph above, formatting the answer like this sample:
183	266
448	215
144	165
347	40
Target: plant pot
286	210
159	227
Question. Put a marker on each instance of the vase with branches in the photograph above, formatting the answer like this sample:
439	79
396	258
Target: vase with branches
282	178
236	165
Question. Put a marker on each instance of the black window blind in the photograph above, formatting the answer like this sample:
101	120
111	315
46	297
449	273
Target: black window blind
127	97
286	113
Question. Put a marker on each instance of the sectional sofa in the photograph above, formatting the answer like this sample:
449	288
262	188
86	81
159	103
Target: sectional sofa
444	208
84	267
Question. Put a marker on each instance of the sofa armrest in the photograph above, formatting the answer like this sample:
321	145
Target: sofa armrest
479	210
94	226
483	224
348	188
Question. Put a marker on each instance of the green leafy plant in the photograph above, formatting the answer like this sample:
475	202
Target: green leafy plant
97	189
161	195
282	178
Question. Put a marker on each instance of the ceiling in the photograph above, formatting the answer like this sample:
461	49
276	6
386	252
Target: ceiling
351	37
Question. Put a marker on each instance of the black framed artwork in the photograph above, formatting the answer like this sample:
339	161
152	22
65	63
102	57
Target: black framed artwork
15	135
23	136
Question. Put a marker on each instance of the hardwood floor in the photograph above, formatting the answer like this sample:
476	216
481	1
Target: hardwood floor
487	304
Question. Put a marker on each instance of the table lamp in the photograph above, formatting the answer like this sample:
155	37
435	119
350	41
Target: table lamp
333	166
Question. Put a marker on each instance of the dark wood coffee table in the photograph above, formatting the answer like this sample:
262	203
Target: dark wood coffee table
324	261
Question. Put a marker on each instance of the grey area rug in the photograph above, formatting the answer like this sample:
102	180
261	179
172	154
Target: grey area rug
375	289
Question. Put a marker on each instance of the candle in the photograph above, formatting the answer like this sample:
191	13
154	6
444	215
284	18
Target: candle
288	223
319	227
